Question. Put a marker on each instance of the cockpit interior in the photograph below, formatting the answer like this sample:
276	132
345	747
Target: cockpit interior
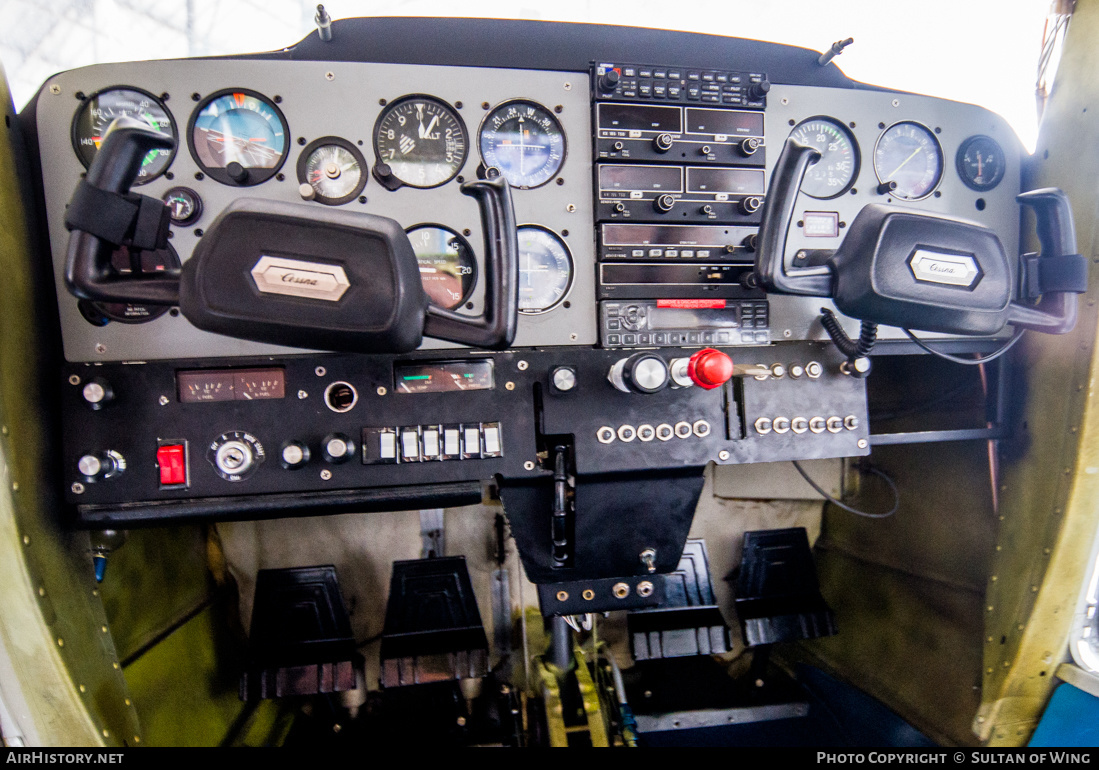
579	385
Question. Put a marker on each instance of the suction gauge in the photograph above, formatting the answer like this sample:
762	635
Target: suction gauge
981	163
238	137
909	155
835	172
99	110
524	141
448	271
420	141
332	169
545	269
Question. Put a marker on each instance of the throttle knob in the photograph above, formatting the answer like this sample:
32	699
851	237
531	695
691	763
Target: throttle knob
709	368
640	373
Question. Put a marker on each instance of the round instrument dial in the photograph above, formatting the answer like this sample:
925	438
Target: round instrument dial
422	140
909	154
334	169
545	269
100	109
238	137
835	172
448	270
184	205
981	163
524	141
128	263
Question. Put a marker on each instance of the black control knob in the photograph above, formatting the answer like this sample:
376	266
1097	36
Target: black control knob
619	146
664	203
886	187
98	466
750	242
705	150
295	454
663	142
706	210
750	204
384	174
237	172
640	373
620	207
757	91
608	81
337	448
97	393
748	147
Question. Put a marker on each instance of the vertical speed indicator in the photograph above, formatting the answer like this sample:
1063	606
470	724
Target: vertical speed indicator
421	140
835	172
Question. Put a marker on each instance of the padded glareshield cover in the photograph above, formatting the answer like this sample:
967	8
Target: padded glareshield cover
381	309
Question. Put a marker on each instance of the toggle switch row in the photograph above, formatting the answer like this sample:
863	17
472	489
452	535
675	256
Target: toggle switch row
664	432
429	443
799	425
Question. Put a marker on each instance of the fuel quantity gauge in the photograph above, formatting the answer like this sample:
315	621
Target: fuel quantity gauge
981	163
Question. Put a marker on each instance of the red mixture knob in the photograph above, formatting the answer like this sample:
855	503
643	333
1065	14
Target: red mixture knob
709	368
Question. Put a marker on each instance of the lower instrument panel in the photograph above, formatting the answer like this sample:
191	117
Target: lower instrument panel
311	426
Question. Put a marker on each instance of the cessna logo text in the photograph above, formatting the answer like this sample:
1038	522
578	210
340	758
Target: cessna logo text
950	269
295	278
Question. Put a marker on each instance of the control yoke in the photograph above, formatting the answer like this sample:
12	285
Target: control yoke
283	273
918	270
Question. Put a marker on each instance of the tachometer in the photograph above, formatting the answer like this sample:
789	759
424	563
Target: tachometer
238	137
835	172
545	269
331	170
909	155
525	141
101	108
448	271
421	140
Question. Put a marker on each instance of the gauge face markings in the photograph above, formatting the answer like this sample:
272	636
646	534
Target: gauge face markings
981	163
545	269
524	141
238	126
835	172
334	168
422	140
909	154
448	271
99	110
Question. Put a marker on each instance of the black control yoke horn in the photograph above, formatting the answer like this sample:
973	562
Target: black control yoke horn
918	270
287	274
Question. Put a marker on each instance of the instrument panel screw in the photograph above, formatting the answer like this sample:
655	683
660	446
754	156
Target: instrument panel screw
568	86
723	455
522	366
570	208
785	100
382	391
645	589
528	465
55	89
862	443
574	337
74	379
163	401
100	347
562	596
620	590
326	474
320	371
509	386
302	394
330	75
787	333
896	102
78	488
